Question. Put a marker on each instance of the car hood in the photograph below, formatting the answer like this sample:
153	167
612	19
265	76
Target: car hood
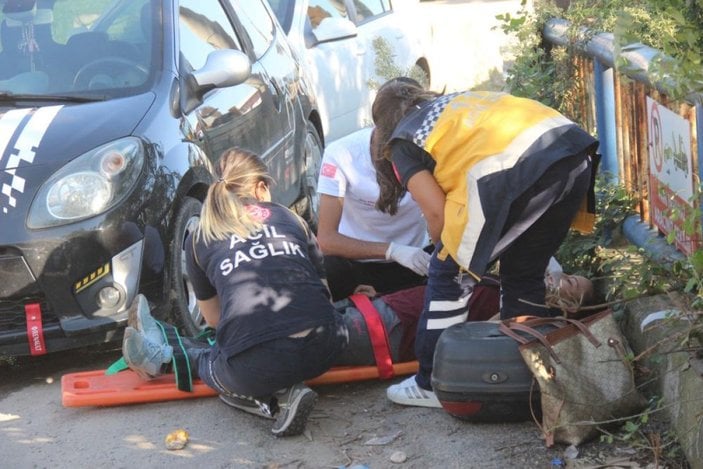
36	141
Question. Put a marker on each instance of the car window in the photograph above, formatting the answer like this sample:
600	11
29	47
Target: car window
318	10
283	9
203	28
127	26
257	22
367	9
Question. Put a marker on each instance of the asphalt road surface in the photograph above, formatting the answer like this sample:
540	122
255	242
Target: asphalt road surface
353	425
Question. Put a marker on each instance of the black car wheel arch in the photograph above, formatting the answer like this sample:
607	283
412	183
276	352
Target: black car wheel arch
183	306
309	203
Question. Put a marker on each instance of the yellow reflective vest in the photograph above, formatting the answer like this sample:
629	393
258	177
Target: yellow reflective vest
489	142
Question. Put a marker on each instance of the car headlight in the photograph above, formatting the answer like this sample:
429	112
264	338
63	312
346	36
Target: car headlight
89	185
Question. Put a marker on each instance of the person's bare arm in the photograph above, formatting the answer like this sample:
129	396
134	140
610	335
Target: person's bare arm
210	309
430	198
333	243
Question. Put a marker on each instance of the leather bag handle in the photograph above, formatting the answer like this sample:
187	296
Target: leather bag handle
528	324
537	321
509	328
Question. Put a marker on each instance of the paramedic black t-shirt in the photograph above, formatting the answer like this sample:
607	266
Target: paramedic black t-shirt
269	284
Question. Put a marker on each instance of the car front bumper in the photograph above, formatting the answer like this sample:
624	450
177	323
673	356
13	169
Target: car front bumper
31	321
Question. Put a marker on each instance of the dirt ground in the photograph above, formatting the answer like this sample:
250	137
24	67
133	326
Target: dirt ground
352	426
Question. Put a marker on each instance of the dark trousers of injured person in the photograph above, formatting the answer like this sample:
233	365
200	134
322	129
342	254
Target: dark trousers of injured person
537	223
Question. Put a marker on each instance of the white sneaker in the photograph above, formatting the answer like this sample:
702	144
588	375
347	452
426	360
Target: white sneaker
407	392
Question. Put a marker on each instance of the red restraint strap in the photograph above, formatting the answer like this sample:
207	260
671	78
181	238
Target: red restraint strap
35	330
377	334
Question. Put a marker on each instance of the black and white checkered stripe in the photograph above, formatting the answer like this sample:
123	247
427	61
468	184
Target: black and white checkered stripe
430	120
21	132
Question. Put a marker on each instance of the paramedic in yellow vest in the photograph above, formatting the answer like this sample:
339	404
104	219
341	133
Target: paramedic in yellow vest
498	178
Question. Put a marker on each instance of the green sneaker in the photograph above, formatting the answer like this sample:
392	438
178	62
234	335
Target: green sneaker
295	405
143	356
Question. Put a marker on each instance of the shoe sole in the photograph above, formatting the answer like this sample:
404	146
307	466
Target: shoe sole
134	319
297	415
132	344
426	405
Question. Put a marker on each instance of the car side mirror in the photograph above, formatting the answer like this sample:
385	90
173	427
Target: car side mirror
334	29
223	68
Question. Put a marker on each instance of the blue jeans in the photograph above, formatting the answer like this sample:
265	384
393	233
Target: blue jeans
261	370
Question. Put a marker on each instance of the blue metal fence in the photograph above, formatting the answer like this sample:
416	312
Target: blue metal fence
615	102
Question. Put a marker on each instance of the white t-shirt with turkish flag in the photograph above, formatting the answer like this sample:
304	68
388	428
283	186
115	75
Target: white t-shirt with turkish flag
347	172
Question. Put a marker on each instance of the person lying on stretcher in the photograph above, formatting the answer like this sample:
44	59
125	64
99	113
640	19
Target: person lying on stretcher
400	312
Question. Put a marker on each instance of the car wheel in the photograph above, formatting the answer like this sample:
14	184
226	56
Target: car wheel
421	72
184	308
310	200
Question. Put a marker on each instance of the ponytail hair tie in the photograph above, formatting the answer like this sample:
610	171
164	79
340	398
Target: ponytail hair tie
221	179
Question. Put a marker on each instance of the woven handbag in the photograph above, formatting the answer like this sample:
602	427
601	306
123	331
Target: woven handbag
584	376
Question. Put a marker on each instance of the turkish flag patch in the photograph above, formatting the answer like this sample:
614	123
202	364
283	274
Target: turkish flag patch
328	170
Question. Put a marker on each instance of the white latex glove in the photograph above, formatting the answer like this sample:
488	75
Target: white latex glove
411	257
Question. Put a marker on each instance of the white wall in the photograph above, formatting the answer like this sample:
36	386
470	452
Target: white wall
464	38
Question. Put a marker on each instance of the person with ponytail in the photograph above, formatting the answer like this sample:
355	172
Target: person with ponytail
257	273
498	178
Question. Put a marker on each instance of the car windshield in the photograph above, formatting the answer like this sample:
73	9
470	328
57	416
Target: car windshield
67	48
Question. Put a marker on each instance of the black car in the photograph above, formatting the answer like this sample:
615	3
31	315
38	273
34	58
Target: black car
112	114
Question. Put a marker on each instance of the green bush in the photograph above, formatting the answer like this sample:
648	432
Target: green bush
674	27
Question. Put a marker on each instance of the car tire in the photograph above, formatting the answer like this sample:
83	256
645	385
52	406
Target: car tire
309	203
184	307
